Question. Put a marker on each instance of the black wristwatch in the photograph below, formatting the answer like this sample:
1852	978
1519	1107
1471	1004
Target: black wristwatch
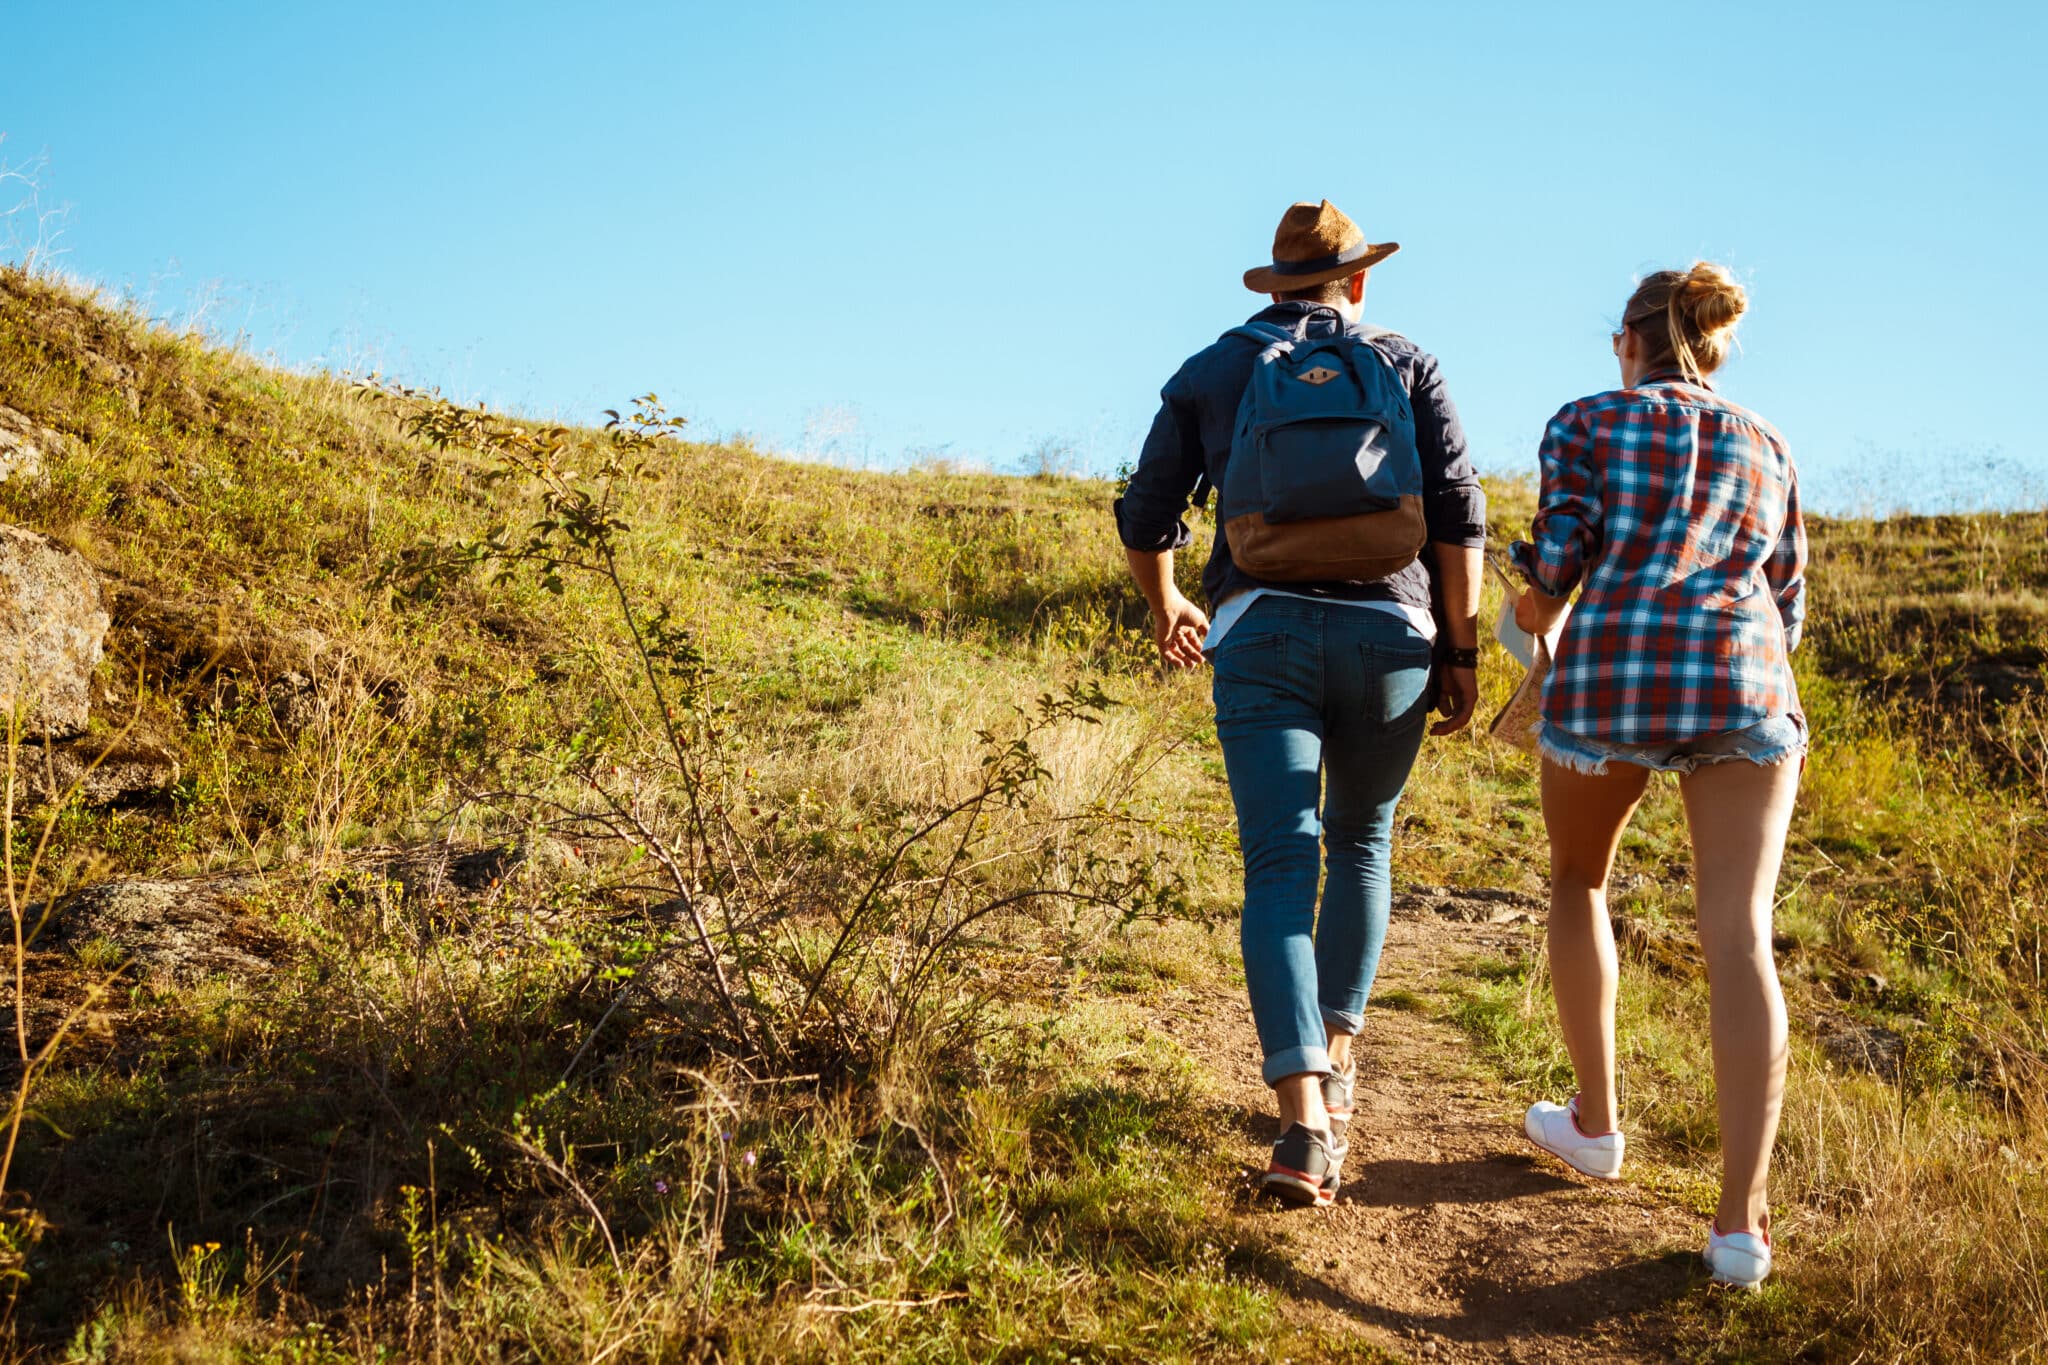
1461	658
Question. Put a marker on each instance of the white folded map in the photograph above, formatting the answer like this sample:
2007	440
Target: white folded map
1516	724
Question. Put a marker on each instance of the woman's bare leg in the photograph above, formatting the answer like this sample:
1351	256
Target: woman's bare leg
1739	813
1585	814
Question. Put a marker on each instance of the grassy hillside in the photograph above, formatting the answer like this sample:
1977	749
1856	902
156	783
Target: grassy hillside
716	924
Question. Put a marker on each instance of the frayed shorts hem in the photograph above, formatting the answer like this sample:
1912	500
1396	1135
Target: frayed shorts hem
1766	744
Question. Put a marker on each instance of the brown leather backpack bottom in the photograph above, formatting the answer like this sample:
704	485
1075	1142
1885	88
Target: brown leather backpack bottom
1328	549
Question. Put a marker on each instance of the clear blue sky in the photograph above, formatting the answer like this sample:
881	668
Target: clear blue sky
864	230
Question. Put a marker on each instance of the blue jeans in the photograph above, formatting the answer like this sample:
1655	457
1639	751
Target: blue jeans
1302	688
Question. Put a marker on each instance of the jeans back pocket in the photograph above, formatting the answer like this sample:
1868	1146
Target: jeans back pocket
1397	682
1248	674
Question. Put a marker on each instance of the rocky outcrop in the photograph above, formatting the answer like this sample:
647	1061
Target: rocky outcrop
183	930
430	872
26	449
191	928
1469	905
99	772
1856	1046
53	622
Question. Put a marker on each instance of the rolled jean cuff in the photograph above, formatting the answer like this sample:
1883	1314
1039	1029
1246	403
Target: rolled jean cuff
1343	1021
1294	1061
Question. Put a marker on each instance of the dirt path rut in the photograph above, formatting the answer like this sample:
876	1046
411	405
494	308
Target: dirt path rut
1454	1239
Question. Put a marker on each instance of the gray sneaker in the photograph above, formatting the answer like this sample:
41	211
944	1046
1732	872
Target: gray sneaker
1304	1168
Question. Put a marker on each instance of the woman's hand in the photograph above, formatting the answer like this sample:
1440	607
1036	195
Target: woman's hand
1179	627
1538	612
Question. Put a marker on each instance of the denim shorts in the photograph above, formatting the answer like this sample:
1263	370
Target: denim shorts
1766	744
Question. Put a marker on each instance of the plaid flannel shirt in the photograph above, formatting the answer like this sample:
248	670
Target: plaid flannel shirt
1677	513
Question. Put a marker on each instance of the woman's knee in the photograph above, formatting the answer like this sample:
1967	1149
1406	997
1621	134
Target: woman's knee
1737	948
1577	875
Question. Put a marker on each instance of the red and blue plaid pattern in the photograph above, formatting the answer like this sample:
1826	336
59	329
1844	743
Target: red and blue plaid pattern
1678	512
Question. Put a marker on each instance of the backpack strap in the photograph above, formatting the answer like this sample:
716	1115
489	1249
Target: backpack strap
1265	334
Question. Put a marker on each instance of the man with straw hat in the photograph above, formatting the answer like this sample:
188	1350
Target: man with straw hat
1313	676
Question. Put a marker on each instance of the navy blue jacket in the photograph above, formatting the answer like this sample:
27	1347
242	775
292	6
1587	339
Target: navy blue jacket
1191	437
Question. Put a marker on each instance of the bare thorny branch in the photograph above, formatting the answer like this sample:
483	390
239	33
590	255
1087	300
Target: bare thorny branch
920	893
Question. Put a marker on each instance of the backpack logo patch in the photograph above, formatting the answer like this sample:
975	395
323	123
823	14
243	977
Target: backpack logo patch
1321	374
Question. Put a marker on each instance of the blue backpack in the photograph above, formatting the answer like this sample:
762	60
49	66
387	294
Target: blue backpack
1324	481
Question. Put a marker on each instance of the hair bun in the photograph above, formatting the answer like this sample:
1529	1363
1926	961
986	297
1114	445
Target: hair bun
1710	298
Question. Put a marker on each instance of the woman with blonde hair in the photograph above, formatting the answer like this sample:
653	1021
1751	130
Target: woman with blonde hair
1675	514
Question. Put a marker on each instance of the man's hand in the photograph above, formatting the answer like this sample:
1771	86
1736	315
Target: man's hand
1537	612
1179	627
1457	696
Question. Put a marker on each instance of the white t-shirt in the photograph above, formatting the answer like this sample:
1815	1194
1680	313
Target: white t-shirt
1419	621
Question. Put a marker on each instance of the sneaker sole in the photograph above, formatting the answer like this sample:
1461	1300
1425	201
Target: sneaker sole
1731	1282
1294	1190
1740	1286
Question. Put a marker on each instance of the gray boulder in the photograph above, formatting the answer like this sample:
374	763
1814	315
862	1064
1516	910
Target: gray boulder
53	622
1858	1046
101	772
1469	905
177	930
25	448
187	929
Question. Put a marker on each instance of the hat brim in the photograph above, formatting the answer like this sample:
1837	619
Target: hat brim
1264	279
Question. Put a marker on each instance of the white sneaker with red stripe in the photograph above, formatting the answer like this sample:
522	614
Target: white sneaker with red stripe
1741	1259
1555	1128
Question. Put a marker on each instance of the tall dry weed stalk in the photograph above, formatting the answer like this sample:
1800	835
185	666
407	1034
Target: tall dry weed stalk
29	228
347	738
1928	1243
23	879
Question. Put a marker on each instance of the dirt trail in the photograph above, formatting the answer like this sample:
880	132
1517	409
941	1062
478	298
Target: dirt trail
1454	1239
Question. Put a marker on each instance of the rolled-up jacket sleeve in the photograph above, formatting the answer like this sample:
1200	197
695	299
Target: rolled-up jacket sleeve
1149	516
1565	535
1453	502
1785	570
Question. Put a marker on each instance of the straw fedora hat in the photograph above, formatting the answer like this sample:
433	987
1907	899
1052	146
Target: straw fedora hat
1314	244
